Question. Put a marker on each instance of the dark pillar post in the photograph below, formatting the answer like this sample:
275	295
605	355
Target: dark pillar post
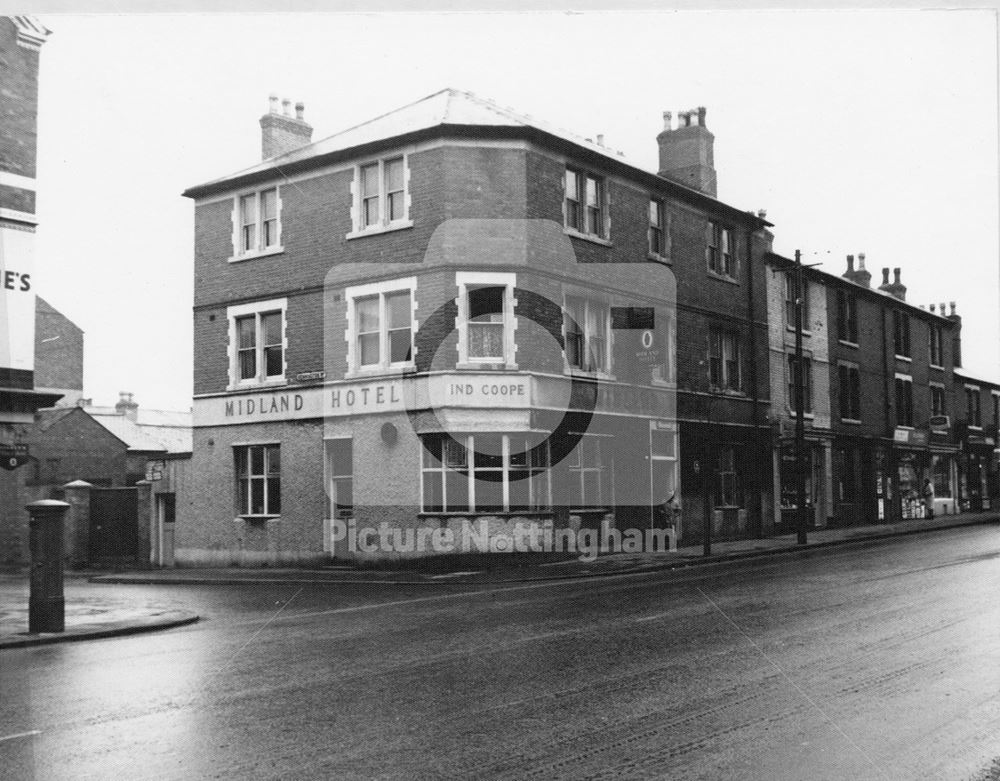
46	606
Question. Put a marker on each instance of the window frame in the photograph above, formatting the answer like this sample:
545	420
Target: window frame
469	280
384	223
721	251
790	303
257	309
974	412
935	337
381	291
659	249
259	223
468	470
724	337
590	303
807	389
847	318
577	205
903	411
901	335
333	480
265	477
849	392
937	390
578	470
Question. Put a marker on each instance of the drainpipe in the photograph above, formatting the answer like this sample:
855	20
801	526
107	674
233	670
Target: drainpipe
758	504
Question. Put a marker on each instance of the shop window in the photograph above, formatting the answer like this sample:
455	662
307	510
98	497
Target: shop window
847	317
340	477
719	250
941	476
257	224
380	196
585	204
258	480
728	487
849	392
789	487
589	470
724	360
257	341
790	302
904	401
806	383
380	325
588	333
901	334
485	473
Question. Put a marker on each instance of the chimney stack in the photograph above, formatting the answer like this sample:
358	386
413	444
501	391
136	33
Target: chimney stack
281	132
687	152
126	406
859	276
896	288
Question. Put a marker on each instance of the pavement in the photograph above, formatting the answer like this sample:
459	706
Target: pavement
87	618
512	568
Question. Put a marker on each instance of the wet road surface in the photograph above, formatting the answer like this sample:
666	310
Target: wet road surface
865	662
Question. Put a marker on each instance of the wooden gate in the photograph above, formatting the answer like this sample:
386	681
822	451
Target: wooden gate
114	525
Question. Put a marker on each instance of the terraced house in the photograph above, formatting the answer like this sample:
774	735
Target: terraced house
457	312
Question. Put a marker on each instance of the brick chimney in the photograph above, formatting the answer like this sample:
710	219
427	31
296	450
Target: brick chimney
895	288
956	339
281	133
687	151
126	406
860	275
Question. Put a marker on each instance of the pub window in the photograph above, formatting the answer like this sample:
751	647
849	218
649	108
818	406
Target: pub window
380	323
257	342
585	203
340	477
486	318
380	198
258	480
258	228
587	334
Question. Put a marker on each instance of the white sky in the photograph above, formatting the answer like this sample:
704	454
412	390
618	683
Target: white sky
867	131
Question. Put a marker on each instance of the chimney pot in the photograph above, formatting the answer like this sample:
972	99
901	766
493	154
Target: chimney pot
668	120
273	100
885	276
762	213
701	115
895	275
932	308
861	261
300	110
600	139
850	263
952	305
688	157
282	133
286	105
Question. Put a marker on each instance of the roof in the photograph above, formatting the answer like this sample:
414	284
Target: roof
149	417
46	418
447	109
133	435
963	376
30	32
827	277
153	429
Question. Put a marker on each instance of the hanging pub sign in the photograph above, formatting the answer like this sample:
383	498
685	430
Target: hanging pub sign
13	455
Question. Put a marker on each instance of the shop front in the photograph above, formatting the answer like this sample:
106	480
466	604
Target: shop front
817	468
977	473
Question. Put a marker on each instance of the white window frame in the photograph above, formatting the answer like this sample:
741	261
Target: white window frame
451	473
935	330
604	469
718	238
588	299
849	365
237	218
380	289
662	253
944	398
331	477
257	308
581	232
807	385
725	386
250	477
979	407
472	279
384	224
905	378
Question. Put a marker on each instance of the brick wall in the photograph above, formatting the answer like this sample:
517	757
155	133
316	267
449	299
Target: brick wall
58	350
18	111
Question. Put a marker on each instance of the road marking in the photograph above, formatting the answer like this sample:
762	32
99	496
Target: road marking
652	618
21	735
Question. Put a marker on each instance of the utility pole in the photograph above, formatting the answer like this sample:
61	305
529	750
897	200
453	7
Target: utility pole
800	425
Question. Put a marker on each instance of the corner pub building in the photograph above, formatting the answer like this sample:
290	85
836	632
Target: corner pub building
452	312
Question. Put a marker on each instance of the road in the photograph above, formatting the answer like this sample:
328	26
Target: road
877	662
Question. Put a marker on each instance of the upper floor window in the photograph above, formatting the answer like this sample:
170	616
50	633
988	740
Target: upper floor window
936	343
585	210
380	195
904	401
724	360
719	250
806	383
937	400
973	412
587	334
258	480
486	317
380	323
790	302
847	317
901	333
996	409
258	228
850	392
657	228
257	342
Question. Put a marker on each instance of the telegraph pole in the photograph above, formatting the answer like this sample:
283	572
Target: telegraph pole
800	425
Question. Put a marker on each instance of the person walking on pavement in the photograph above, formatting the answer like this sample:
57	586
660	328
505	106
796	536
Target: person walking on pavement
928	495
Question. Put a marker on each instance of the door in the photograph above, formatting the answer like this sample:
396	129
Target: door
114	525
166	515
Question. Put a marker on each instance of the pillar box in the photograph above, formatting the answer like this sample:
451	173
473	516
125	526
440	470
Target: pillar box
46	605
